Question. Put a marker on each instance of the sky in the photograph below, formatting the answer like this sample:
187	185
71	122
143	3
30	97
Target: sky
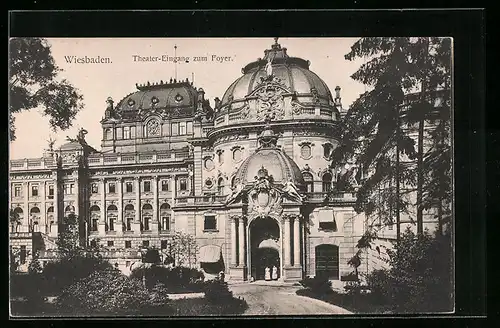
116	79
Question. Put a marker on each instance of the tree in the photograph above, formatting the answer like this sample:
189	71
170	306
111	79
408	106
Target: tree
182	249
33	84
34	267
375	132
14	219
419	278
75	261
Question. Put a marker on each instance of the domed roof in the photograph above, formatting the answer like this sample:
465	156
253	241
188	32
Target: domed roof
72	145
270	160
293	73
159	95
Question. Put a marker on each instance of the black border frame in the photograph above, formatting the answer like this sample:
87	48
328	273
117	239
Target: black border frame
467	27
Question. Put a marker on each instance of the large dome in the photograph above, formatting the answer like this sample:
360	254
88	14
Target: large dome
292	72
272	159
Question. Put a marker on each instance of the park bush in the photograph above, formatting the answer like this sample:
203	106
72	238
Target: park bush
63	272
109	292
217	291
177	279
317	285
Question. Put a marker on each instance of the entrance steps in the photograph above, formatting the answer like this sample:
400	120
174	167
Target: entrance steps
276	283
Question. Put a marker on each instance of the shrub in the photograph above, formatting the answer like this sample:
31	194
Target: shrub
217	291
177	278
62	273
379	283
111	293
317	285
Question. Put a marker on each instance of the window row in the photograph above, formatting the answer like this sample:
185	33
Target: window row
164	244
129	186
34	191
306	150
151	129
111	224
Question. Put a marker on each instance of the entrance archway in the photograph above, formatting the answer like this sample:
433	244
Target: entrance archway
265	250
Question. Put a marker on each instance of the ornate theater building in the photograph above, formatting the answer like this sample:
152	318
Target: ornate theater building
247	177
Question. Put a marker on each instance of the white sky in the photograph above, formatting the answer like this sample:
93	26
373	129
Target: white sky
96	82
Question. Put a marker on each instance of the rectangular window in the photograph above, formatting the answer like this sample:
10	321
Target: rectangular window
95	223
189	127
93	243
66	189
183	184
17	191
210	223
112	224
328	226
147	186
146	224
111	188
128	244
164	244
145	243
34	191
165	223
126	132
71	189
51	192
164	185
175	129
95	188
119	133
127	263
132	132
182	128
22	255
129	224
128	186
111	243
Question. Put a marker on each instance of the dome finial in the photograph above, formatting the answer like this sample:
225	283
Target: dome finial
276	40
276	45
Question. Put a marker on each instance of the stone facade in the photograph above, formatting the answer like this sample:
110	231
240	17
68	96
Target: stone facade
170	162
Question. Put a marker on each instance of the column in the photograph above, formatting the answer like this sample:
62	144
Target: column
155	219
296	241
54	229
102	193
119	219
26	211
241	230
137	200
42	222
286	241
101	227
233	241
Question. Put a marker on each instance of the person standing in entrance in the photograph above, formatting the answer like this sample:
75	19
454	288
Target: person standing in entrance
274	275
267	276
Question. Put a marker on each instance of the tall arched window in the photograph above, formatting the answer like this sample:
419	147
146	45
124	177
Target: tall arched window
308	179
18	217
112	215
165	215
153	128
327	182
108	134
220	186
129	217
147	214
95	215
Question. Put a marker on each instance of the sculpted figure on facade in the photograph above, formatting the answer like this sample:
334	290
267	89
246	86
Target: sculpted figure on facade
236	194
291	191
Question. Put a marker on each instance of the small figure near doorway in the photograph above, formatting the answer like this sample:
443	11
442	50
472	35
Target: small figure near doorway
267	276
274	275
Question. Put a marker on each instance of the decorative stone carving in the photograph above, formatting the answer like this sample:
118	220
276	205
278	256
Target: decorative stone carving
270	103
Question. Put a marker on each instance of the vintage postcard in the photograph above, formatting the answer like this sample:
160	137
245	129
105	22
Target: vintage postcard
230	176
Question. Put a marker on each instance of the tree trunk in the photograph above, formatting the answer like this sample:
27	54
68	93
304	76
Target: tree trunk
398	218
420	150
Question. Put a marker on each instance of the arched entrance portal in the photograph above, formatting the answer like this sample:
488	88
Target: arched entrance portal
265	250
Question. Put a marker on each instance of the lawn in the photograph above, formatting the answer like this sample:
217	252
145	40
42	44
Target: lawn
180	307
358	303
